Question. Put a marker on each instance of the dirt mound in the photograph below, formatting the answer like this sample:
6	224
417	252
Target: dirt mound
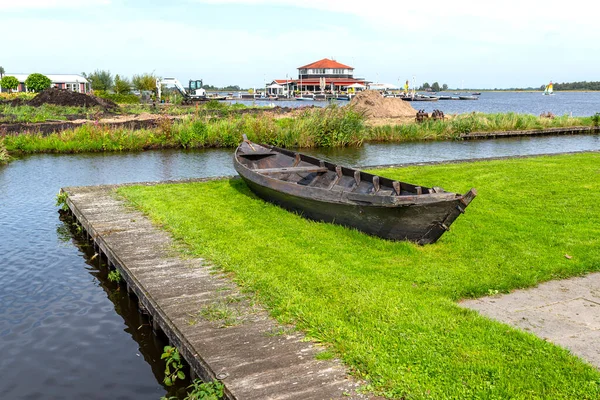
375	106
63	97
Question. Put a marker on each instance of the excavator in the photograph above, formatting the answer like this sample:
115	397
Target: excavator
195	92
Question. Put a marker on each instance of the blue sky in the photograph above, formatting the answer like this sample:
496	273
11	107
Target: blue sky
465	44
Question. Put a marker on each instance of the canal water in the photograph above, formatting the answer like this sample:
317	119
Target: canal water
577	104
65	330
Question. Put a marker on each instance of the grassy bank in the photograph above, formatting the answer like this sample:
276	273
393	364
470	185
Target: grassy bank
389	309
319	127
473	122
47	112
311	128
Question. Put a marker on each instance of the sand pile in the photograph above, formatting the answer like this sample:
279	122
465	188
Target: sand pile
62	97
375	106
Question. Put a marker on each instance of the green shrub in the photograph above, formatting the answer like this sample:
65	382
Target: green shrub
119	98
9	82
37	82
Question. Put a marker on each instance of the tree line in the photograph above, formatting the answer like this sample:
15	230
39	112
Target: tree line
575	86
434	87
101	80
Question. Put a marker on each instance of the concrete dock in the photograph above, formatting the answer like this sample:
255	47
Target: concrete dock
218	331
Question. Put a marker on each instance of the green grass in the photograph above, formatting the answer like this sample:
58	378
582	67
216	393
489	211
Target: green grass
14	114
388	309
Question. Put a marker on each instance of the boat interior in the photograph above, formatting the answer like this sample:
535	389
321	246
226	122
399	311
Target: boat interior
288	166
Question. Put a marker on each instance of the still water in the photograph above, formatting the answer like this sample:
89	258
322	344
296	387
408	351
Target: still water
65	331
578	104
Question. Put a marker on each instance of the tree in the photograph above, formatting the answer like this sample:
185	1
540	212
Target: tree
9	82
37	82
425	86
1	72
444	87
100	80
122	85
144	82
435	87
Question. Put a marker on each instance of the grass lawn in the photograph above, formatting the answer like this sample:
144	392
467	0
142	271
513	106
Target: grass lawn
389	309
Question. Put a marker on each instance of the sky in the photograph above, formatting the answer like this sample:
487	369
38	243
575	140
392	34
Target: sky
462	43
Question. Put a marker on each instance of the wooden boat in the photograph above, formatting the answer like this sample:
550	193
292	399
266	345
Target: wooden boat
468	97
323	191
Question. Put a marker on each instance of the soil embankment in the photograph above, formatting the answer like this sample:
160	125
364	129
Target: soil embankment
376	107
68	98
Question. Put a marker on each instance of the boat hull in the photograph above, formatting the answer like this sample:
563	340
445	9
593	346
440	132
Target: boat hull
420	223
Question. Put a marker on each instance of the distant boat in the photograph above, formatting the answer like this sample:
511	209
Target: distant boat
305	98
476	94
548	90
468	97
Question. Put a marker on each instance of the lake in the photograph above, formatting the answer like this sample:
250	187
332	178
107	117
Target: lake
577	104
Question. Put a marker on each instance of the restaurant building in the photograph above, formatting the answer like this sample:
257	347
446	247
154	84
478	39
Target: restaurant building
323	76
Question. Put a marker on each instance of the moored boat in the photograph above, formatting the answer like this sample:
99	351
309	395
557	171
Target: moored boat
323	191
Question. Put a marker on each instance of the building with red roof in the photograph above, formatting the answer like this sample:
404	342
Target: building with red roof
321	76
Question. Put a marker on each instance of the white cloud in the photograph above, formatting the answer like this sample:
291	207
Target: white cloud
15	5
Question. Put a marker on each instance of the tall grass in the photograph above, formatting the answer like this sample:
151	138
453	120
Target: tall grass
318	127
468	123
4	157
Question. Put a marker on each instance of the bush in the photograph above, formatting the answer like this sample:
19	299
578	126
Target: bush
9	82
37	82
119	98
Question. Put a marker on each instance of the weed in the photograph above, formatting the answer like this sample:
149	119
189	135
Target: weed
61	201
115	276
205	390
173	365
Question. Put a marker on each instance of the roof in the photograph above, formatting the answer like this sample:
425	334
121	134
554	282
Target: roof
55	78
326	63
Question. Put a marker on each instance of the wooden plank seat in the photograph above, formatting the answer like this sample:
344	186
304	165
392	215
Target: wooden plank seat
291	170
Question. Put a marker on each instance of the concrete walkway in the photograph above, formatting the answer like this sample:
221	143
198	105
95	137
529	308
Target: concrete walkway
566	313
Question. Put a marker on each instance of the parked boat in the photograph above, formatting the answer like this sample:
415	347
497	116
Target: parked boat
468	98
476	94
323	191
420	98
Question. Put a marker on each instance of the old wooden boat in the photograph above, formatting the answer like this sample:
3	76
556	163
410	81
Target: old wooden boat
323	191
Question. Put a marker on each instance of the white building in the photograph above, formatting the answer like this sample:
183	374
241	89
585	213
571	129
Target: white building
76	83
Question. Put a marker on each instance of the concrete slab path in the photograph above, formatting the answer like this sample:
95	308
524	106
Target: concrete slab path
565	312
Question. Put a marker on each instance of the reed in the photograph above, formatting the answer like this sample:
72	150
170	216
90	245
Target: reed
4	157
317	127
